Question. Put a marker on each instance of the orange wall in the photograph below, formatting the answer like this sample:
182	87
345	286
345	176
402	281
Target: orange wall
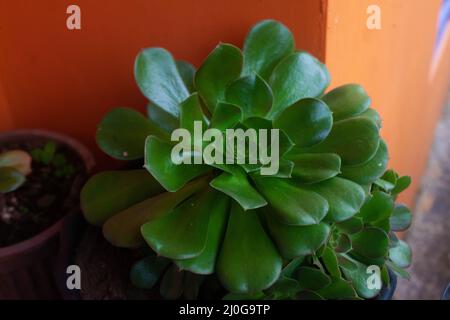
393	65
5	115
66	80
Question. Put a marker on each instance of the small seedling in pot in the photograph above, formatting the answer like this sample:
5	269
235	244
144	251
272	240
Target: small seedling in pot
48	155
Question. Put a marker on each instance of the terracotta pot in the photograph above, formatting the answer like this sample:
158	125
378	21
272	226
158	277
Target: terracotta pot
27	268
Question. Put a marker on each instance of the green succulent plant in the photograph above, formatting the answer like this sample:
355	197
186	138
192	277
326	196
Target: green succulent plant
15	165
339	268
310	231
49	155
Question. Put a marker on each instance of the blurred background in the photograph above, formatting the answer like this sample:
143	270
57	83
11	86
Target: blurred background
399	50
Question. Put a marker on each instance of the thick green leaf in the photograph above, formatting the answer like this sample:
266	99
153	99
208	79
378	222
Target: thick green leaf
384	185
355	140
10	179
308	295
390	176
393	238
289	269
387	182
399	271
306	122
401	218
370	242
378	207
402	184
158	162
257	123
222	66
191	113
344	197
146	272
370	171
347	100
249	261
383	224
346	263
205	263
352	225
187	73
343	243
158	78
338	289
373	115
401	254
296	241
317	255
366	260
244	296
385	277
182	232
124	228
239	188
359	278
16	159
233	169
284	288
162	118
284	170
292	204
330	262
315	167
191	110
252	94
284	143
122	133
311	278
267	43
297	76
171	287
367	188
110	192
225	116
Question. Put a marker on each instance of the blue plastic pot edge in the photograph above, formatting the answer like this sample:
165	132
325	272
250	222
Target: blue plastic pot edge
387	292
446	294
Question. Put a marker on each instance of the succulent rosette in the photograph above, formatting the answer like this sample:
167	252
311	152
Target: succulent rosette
308	231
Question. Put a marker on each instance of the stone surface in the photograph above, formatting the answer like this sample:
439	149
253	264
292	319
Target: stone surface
105	269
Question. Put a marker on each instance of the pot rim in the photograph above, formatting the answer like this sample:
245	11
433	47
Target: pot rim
41	238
